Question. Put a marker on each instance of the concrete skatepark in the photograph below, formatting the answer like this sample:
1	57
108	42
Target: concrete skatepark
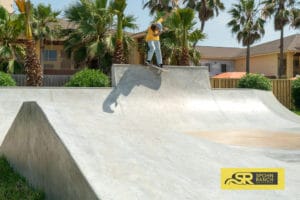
150	136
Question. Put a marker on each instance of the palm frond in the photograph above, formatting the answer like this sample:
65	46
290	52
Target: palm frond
10	30
196	35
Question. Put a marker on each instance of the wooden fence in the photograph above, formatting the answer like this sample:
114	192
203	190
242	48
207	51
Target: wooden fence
281	88
224	83
48	80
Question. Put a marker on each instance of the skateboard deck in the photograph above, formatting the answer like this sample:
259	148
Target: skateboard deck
156	67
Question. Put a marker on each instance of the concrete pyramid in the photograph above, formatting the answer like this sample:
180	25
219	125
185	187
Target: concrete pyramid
34	148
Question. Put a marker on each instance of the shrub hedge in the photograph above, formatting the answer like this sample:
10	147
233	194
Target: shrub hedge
6	80
296	92
88	78
255	81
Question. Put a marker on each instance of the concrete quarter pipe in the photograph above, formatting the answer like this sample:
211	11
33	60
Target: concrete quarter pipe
151	136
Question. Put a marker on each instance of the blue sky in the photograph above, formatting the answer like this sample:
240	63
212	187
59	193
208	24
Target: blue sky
218	34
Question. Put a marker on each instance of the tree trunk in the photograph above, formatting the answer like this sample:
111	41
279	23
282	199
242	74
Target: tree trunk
202	26
177	57
42	48
119	53
185	57
119	50
248	60
281	63
202	14
32	65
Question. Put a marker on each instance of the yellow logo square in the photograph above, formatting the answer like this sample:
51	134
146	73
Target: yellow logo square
252	178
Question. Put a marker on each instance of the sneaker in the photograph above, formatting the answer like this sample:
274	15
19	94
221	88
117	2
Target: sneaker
147	62
160	65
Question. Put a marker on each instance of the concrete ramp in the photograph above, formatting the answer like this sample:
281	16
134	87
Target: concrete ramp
184	92
149	137
178	78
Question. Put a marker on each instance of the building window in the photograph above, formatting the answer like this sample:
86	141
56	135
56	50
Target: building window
223	68
50	55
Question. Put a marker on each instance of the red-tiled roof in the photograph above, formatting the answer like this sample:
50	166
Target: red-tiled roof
231	75
294	78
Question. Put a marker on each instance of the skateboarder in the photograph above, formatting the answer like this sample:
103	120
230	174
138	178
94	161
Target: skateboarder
152	38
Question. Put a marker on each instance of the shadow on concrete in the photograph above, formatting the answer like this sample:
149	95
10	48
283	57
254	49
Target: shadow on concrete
132	77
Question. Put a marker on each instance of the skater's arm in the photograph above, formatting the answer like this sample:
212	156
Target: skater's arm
158	33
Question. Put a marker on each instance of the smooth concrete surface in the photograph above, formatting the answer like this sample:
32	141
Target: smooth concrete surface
132	141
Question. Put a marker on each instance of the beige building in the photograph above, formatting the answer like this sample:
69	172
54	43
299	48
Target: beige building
264	58
55	60
8	4
219	59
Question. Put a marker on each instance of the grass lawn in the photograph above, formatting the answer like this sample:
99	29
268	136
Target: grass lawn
296	111
15	187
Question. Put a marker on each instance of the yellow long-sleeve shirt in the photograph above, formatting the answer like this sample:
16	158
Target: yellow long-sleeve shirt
151	34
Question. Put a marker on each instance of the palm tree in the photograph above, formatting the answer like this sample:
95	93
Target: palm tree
177	41
247	25
284	12
172	48
32	64
117	8
44	19
10	51
90	42
160	5
206	9
128	22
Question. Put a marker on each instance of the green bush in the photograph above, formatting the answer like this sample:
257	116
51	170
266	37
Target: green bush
296	92
88	78
6	80
255	81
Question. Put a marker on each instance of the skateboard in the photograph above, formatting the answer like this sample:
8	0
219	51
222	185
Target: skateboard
156	67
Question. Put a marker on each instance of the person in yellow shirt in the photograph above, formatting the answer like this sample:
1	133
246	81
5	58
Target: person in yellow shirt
152	38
